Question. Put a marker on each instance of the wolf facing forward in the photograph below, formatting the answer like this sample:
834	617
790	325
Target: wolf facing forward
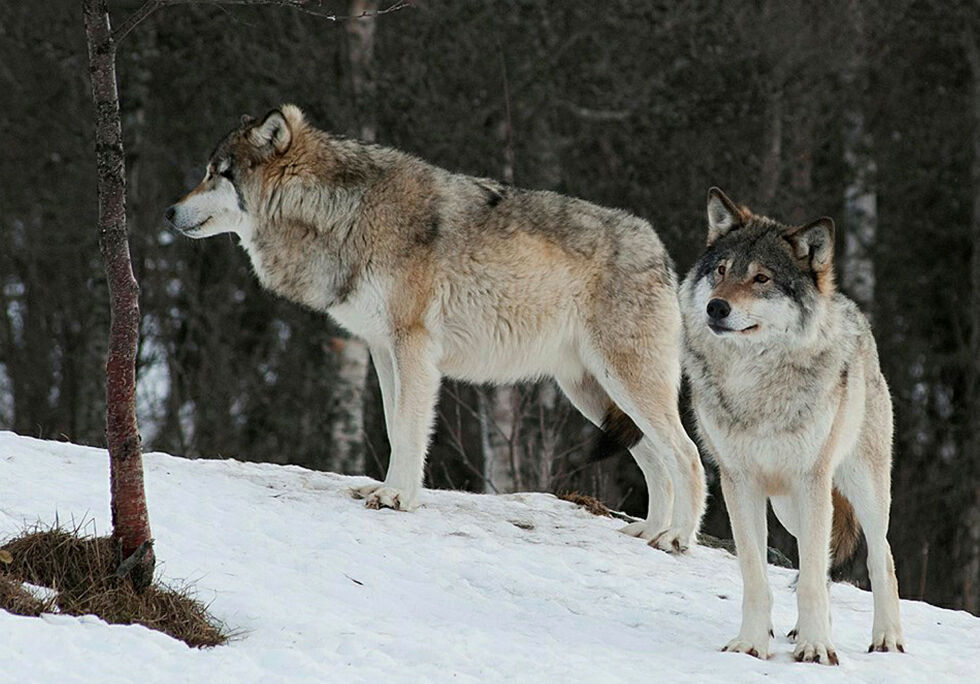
791	403
446	275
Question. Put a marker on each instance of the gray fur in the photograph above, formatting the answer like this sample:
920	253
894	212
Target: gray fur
448	275
791	404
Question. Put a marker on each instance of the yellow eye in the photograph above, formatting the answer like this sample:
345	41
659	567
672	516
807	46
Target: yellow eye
721	269
761	278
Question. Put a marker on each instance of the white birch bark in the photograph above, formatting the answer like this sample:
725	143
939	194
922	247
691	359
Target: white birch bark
348	425
495	406
860	196
970	590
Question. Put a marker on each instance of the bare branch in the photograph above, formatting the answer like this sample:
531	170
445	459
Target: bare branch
601	115
134	19
305	6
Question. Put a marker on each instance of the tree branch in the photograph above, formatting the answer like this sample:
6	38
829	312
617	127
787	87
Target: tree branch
134	19
305	6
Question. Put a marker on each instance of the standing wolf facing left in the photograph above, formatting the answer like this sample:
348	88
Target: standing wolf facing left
449	275
791	403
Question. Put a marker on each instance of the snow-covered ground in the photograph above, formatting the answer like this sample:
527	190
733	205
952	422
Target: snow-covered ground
468	588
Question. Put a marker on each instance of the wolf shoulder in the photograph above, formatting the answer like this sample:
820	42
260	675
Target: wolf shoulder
858	336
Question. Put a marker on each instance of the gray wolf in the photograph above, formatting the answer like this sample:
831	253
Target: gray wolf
791	403
446	275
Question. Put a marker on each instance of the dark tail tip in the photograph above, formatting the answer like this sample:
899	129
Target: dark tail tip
619	433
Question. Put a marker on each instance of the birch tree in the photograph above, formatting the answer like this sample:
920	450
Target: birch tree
970	534
347	428
860	197
498	406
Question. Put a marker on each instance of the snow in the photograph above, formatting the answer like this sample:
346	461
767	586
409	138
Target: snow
468	588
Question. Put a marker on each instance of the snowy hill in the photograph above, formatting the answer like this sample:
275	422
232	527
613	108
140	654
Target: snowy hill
470	587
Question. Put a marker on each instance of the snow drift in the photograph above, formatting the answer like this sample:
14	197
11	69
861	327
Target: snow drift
470	587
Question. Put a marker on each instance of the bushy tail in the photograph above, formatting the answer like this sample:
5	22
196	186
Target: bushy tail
845	534
619	433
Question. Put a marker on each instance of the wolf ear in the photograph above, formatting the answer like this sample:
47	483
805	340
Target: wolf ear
273	130
814	244
723	215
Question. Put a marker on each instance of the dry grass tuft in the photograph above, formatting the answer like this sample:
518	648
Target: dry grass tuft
14	598
80	569
589	503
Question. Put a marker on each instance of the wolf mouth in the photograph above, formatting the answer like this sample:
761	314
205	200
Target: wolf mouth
722	330
197	227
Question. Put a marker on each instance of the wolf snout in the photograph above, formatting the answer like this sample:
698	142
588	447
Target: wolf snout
718	309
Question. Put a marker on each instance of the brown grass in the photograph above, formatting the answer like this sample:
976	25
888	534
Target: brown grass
14	598
80	570
589	503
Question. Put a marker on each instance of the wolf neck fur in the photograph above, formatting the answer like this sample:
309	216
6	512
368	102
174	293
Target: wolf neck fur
724	371
298	220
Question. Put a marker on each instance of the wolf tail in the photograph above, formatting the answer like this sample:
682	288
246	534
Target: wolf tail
845	534
619	433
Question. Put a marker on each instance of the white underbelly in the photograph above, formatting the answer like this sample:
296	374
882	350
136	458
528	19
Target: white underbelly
501	352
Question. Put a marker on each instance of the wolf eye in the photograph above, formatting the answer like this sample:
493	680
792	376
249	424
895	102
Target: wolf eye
226	173
721	269
761	278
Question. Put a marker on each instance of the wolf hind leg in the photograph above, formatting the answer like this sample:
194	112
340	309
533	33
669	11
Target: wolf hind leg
591	400
865	481
409	382
647	391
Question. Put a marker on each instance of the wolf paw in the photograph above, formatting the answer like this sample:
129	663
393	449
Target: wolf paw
378	496
757	648
888	640
641	530
673	541
670	540
815	651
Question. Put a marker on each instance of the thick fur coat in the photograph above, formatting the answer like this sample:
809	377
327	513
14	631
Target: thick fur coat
450	275
791	403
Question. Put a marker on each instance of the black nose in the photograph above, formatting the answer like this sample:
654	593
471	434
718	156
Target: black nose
718	309
169	214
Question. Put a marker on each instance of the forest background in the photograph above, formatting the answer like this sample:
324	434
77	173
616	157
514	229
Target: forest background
868	112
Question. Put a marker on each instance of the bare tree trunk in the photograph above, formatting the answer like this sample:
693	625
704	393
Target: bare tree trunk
860	196
348	424
496	429
498	406
772	162
547	405
360	51
347	428
970	544
801	161
130	521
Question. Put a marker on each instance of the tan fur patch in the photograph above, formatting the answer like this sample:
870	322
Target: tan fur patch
845	532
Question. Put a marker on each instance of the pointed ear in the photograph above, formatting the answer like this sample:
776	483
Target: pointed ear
723	215
813	244
274	130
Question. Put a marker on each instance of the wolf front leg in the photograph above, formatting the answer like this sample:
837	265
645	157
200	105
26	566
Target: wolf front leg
815	507
746	502
409	382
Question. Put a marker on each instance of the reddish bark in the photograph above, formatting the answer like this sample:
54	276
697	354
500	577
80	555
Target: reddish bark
130	521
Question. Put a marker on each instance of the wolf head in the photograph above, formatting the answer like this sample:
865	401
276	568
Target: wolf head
759	279
224	201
